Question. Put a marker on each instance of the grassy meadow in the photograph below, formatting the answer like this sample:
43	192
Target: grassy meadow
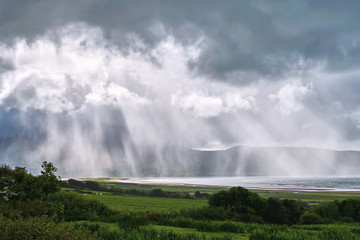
186	228
42	207
139	203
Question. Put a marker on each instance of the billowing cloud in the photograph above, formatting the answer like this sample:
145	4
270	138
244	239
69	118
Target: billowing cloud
289	97
131	84
246	38
202	105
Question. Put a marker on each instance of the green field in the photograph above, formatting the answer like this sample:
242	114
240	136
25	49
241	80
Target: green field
171	188
139	203
313	198
35	207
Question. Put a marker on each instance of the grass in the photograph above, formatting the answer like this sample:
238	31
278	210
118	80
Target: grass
139	203
114	227
134	204
312	198
234	236
149	187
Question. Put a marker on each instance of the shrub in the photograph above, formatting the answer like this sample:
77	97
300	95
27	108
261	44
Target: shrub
18	184
132	221
328	210
40	228
238	199
311	218
77	207
210	213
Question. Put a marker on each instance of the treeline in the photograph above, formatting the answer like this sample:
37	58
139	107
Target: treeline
336	211
85	186
240	204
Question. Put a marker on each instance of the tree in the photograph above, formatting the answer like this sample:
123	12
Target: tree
197	194
275	211
19	184
292	211
238	199
48	180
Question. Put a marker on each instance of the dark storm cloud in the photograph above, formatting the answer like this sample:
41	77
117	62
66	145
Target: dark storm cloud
121	82
243	37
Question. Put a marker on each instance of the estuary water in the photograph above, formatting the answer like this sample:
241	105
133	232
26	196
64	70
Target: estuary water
323	183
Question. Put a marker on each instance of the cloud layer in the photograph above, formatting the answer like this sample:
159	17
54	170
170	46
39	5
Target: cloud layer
113	82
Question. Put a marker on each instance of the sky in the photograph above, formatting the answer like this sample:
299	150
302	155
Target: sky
91	79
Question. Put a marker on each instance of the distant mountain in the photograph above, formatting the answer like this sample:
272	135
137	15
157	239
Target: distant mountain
171	161
248	161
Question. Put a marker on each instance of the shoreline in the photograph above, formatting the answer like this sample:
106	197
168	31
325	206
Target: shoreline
146	181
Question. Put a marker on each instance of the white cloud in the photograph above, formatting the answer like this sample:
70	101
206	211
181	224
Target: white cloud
204	105
152	97
199	104
289	97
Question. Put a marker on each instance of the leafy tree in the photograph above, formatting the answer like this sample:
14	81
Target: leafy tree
328	210
197	194
292	211
75	183
92	185
275	211
19	184
158	193
49	181
238	199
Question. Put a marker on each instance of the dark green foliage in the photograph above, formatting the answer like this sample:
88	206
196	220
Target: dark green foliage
91	185
206	226
80	186
336	211
275	211
349	208
159	216
311	218
40	228
318	232
129	221
72	183
250	207
239	200
157	193
338	234
284	211
150	234
49	181
292	212
18	184
210	213
198	194
328	210
77	207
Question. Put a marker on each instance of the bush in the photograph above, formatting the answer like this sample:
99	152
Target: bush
328	210
311	218
18	184
77	207
40	228
158	193
209	213
132	221
250	207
